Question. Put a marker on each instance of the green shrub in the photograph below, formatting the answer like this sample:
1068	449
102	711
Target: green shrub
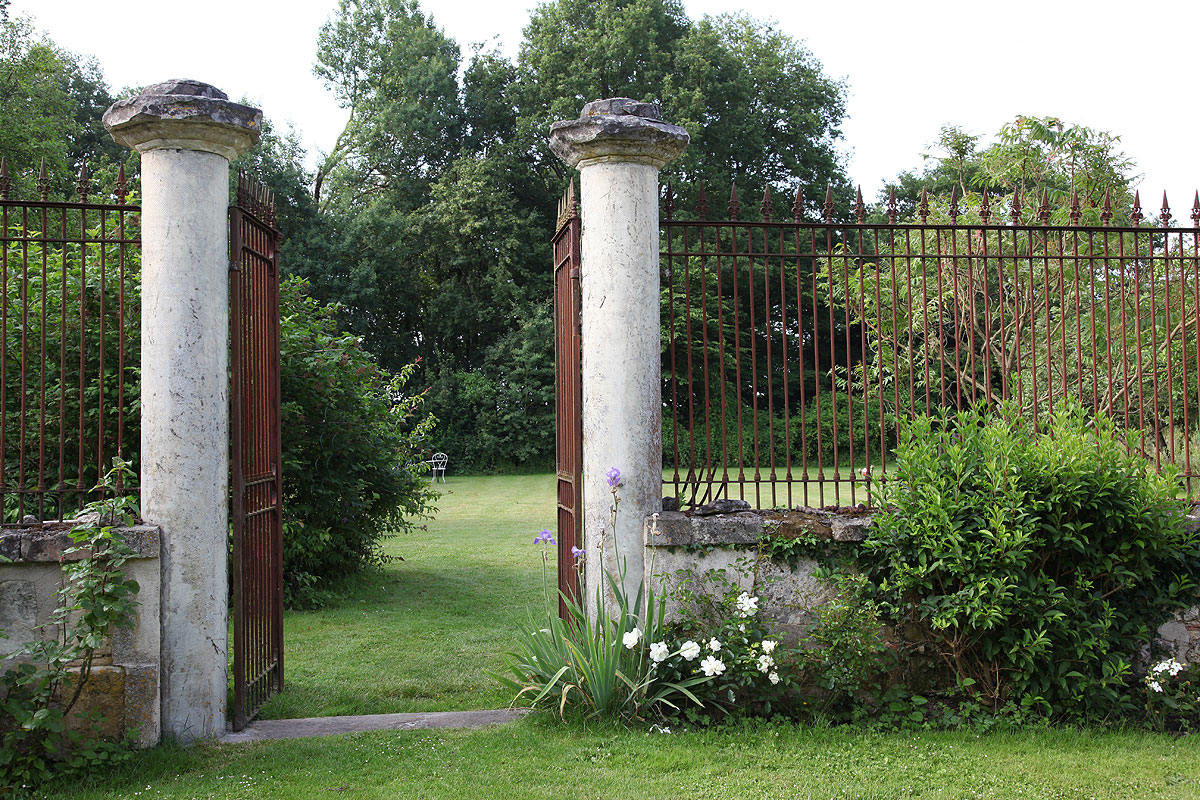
1038	565
353	449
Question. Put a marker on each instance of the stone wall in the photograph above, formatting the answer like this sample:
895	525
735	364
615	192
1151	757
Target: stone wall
707	539
124	682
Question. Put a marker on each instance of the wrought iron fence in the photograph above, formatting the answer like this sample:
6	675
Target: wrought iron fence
69	320
792	351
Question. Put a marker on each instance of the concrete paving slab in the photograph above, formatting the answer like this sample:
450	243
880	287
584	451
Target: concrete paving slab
267	729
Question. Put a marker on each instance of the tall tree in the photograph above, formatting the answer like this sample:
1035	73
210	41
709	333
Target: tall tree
52	101
445	187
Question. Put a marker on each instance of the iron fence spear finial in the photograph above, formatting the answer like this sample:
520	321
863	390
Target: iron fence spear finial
1043	211
798	206
122	186
5	180
985	209
1106	209
734	205
860	210
668	203
1014	208
765	206
701	204
953	205
828	203
1166	213
1196	211
43	182
81	184
1136	213
1075	213
923	206
892	211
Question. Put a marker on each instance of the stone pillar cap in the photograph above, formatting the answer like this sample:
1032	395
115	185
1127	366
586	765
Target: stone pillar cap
184	115
618	129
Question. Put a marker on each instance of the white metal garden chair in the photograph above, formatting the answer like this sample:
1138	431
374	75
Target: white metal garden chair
437	466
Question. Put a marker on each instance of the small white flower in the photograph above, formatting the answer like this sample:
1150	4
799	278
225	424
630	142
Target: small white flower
768	646
712	666
747	606
659	652
773	677
631	639
1155	686
765	663
742	628
714	645
689	650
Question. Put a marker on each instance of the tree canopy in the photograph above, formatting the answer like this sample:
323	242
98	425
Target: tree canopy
52	100
437	198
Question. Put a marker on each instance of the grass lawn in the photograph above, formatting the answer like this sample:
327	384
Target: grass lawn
536	758
421	635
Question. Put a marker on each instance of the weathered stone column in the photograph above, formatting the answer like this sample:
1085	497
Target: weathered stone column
619	145
187	132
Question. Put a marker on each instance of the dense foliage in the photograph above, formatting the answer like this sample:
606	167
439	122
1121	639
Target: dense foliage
1036	562
433	209
354	449
52	100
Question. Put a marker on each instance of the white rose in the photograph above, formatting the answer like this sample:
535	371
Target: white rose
747	605
768	646
714	645
774	677
659	652
712	666
631	639
689	650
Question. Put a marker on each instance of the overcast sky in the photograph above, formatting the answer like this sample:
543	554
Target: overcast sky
911	66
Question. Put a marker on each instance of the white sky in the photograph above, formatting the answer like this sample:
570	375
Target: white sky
912	65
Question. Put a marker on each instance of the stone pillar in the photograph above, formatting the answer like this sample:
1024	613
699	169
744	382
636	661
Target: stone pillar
187	132
619	145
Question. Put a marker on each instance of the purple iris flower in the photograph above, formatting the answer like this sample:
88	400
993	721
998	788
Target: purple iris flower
614	477
544	536
577	552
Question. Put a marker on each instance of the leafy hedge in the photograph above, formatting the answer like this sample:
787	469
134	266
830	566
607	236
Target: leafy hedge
354	447
1038	564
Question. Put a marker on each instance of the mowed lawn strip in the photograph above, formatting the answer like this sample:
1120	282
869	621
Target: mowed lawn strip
539	758
421	634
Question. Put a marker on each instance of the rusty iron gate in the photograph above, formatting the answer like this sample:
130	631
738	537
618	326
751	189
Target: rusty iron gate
256	481
568	394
